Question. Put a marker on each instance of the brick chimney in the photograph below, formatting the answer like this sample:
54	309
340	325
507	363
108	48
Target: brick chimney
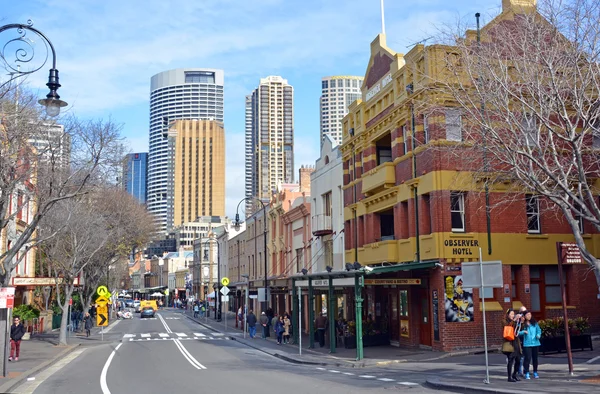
305	172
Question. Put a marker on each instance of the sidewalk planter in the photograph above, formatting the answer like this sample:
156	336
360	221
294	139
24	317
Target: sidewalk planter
557	344
56	321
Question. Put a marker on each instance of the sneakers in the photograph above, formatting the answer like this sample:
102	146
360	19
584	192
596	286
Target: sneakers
16	358
535	375
10	359
527	376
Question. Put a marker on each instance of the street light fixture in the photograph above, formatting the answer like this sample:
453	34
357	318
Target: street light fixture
236	226
25	54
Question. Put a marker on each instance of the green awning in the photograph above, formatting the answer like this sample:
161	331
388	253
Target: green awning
400	267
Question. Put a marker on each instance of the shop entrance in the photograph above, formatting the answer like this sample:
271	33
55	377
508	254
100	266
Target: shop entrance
424	317
392	312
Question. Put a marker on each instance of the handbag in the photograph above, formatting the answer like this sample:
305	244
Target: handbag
509	333
507	347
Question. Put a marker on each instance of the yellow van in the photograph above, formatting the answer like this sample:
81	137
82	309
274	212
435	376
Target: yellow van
146	303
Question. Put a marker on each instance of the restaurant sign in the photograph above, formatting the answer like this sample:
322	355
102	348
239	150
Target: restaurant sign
379	282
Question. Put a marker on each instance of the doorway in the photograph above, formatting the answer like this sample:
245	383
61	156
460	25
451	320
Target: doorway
424	318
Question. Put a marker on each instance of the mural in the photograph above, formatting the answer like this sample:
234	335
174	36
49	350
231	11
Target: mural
459	301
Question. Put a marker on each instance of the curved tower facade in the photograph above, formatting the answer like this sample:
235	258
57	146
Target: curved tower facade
183	93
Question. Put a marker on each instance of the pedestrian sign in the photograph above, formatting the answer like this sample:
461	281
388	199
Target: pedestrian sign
103	291
225	281
224	290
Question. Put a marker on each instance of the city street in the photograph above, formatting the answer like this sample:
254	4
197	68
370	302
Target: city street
170	353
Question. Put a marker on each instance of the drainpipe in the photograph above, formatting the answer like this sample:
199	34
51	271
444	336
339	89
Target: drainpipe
311	315
415	188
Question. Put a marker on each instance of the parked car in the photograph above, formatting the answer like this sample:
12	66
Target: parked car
129	303
136	306
147	312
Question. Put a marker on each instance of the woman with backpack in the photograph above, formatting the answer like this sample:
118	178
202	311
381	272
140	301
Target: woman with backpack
511	347
531	334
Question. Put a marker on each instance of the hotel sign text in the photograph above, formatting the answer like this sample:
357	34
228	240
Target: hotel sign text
380	85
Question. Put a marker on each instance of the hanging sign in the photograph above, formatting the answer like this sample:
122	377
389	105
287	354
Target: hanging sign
380	282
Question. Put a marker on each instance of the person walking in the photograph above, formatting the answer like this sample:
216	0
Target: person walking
16	334
88	324
264	322
531	334
273	321
196	310
321	325
279	329
511	347
251	321
74	322
287	325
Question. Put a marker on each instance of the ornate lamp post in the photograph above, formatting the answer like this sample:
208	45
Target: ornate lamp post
24	54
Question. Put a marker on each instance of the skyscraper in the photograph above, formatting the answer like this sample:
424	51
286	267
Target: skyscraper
184	93
135	173
196	185
269	138
337	93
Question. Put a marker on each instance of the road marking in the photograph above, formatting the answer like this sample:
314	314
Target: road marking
165	324
348	373
129	336
145	335
386	379
199	334
218	334
367	376
334	371
188	356
321	369
593	360
107	329
408	383
163	335
32	383
103	384
180	334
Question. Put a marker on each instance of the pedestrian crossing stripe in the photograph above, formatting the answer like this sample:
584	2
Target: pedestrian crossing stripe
179	339
173	335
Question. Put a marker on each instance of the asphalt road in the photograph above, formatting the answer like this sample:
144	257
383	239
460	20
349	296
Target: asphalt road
173	354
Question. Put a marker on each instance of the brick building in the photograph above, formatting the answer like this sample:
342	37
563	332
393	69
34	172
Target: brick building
414	214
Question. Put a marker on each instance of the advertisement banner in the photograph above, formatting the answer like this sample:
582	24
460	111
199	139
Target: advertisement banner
459	300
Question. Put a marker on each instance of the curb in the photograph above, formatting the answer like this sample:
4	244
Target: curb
437	384
7	387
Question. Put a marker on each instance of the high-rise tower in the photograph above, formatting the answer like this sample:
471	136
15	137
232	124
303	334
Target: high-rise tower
337	93
184	93
269	138
135	174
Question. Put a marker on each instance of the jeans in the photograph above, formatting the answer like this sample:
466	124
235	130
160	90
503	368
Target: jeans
252	331
15	348
531	353
512	366
265	332
321	336
279	337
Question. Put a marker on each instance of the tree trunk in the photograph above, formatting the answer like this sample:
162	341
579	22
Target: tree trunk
62	337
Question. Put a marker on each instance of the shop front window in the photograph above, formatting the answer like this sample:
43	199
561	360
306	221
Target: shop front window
404	303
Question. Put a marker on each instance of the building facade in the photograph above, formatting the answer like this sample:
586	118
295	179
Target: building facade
269	139
327	211
196	184
135	174
337	93
412	215
185	93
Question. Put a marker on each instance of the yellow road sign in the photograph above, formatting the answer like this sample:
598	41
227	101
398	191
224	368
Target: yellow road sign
225	281
103	291
103	309
102	319
102	300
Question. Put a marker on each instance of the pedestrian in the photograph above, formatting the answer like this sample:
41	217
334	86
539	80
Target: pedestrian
239	316
321	325
16	334
287	325
273	320
264	322
279	329
511	347
88	324
251	321
522	311
531	334
74	320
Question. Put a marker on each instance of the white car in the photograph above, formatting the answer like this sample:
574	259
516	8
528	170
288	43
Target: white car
136	306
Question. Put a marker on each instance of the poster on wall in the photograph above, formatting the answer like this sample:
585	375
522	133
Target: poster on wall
404	330
459	300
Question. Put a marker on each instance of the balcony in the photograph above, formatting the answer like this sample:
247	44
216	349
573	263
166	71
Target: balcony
321	225
379	178
378	252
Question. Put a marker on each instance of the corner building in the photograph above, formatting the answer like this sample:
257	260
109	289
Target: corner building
409	217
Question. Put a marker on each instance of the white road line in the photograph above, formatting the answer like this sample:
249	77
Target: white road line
348	373
107	329
199	334
164	324
180	334
145	335
593	360
386	379
321	369
408	383
103	384
334	371
367	376
218	334
32	383
129	336
163	335
188	356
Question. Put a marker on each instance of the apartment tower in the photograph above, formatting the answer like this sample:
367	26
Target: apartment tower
135	174
337	93
269	138
184	93
196	185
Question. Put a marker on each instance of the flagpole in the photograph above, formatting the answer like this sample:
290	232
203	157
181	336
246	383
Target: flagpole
382	18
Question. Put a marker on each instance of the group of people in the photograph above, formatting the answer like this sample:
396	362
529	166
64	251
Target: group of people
81	321
521	335
199	308
281	324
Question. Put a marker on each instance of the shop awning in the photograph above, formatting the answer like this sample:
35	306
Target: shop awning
399	267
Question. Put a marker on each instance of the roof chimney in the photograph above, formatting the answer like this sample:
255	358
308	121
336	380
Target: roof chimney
305	172
518	6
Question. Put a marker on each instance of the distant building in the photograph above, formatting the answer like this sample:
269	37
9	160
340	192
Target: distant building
53	144
337	93
269	138
135	173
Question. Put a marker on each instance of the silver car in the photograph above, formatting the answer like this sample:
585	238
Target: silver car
136	306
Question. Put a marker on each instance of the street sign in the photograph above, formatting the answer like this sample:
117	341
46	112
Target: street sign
7	297
102	319
70	301
225	281
224	290
102	309
473	273
103	291
102	301
225	299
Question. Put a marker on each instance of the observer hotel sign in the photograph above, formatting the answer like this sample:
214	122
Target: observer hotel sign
380	85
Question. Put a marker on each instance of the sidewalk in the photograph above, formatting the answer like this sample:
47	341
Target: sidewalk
373	356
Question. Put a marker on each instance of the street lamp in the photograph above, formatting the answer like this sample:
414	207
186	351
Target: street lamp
25	54
246	309
217	285
236	226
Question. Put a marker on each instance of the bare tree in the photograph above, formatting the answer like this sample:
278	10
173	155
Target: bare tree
529	98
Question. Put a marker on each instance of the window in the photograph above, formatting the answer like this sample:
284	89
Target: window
426	208
453	125
332	83
324	84
533	214
404	303
199	77
425	129
578	217
327	204
457	211
386	223
384	149
529	126
405	139
299	260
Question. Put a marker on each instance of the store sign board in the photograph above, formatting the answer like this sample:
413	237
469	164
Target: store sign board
461	248
380	282
570	253
378	86
40	281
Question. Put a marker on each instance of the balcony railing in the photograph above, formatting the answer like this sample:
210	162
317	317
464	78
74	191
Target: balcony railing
321	225
380	177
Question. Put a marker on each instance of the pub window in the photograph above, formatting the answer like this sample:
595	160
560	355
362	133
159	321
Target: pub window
384	149
453	125
404	303
533	214
457	211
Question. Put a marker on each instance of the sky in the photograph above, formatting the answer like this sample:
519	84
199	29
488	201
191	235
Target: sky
108	50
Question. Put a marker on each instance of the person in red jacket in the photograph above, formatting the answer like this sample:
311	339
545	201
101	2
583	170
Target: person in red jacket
16	334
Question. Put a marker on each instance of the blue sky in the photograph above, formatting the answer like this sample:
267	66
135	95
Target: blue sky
108	50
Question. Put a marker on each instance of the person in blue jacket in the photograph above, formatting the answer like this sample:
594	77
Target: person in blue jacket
531	334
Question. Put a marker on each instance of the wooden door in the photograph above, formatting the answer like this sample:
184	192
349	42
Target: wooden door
424	318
